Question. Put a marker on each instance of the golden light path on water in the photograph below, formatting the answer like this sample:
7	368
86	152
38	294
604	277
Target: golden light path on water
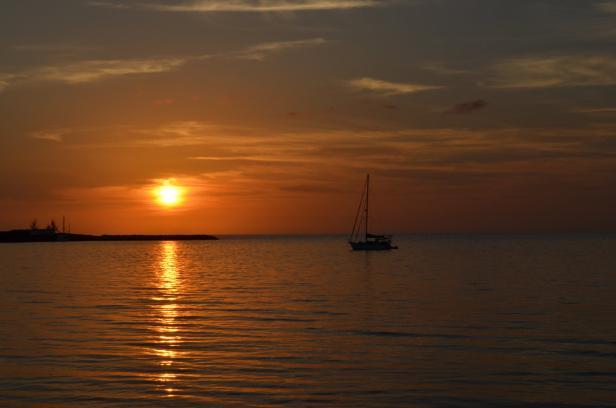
167	310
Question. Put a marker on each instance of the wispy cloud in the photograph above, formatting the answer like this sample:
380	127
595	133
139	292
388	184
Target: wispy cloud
388	88
606	6
80	72
261	51
247	6
91	71
49	135
207	141
595	110
556	71
185	133
255	162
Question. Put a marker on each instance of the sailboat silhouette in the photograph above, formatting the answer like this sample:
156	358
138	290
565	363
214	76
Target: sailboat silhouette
360	239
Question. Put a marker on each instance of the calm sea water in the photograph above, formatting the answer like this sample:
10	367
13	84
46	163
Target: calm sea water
444	321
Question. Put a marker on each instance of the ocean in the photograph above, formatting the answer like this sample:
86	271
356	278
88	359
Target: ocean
445	321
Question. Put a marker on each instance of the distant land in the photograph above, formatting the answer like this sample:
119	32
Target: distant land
47	235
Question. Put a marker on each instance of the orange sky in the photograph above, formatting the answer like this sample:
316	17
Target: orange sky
471	116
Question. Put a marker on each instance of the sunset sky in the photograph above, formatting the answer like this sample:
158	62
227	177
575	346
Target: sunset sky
471	115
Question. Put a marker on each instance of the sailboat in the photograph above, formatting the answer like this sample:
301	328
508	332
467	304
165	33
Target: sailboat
360	239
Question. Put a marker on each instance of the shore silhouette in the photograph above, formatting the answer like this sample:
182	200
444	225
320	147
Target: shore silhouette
50	235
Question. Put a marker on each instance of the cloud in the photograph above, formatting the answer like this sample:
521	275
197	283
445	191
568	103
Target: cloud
468	107
387	88
297	162
49	135
91	71
261	51
185	133
208	142
606	6
556	71
80	72
246	6
5	82
595	110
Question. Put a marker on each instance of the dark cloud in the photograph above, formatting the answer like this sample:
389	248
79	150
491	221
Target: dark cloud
467	107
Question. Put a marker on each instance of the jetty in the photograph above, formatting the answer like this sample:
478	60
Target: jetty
49	235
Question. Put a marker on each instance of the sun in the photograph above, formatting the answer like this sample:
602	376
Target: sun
169	195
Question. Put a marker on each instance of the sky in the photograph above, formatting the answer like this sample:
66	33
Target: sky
488	116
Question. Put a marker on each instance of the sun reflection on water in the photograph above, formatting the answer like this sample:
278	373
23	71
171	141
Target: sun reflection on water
167	311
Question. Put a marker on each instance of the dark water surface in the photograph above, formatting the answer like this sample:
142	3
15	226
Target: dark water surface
459	321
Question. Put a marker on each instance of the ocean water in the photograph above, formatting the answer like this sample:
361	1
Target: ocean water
261	322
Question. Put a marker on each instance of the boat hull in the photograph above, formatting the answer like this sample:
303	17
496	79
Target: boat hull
372	246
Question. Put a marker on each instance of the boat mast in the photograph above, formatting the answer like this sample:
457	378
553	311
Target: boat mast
367	201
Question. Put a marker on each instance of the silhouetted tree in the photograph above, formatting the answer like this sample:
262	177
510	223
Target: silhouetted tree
34	224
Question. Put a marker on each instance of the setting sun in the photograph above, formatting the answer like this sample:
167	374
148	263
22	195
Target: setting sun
169	195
